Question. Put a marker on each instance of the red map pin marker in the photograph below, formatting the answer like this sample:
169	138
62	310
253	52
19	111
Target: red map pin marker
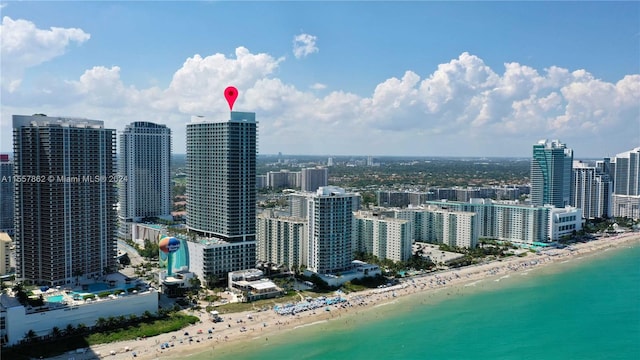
231	94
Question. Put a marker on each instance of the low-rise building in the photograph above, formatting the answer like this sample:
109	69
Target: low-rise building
62	308
564	222
251	284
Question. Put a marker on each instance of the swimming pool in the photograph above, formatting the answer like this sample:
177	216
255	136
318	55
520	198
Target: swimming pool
55	298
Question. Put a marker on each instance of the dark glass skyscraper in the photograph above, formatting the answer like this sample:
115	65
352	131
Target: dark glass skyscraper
221	182
6	194
65	199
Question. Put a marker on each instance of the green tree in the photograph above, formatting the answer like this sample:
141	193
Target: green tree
30	336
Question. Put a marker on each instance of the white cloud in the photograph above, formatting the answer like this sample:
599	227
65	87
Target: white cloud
318	86
23	45
303	45
462	108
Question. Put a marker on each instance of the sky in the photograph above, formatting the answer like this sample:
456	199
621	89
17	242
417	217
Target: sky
337	78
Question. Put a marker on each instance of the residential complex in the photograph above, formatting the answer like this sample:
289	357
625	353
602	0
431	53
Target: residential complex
66	220
145	163
384	237
281	240
436	224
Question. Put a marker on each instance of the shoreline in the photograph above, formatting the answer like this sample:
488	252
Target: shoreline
229	337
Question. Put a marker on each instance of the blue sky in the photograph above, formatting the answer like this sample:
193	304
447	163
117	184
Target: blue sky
380	78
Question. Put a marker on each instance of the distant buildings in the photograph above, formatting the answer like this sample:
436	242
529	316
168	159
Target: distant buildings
221	194
283	179
393	198
6	194
145	163
66	220
626	197
314	178
551	174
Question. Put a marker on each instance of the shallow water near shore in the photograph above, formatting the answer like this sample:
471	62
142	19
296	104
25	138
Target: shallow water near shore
583	308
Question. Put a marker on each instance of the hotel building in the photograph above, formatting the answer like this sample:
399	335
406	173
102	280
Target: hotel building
66	219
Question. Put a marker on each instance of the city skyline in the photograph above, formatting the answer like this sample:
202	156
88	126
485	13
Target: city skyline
440	80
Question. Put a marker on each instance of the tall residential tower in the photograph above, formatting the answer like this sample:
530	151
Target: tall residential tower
145	162
6	194
331	228
65	214
221	193
626	191
551	174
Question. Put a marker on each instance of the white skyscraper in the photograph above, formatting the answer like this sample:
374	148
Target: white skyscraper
626	192
145	162
331	226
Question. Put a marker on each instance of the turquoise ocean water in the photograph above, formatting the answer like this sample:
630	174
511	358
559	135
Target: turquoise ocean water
583	309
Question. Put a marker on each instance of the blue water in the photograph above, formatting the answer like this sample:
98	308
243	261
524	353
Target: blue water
584	309
55	298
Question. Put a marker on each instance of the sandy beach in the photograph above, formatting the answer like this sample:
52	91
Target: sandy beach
239	329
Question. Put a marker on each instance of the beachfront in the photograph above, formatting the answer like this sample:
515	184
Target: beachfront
239	330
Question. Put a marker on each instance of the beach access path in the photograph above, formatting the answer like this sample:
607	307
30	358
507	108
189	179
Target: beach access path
242	327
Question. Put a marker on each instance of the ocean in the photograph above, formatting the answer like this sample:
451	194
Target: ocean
585	308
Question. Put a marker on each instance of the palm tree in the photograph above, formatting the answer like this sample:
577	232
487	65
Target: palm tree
69	330
101	323
77	273
30	336
56	332
81	328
